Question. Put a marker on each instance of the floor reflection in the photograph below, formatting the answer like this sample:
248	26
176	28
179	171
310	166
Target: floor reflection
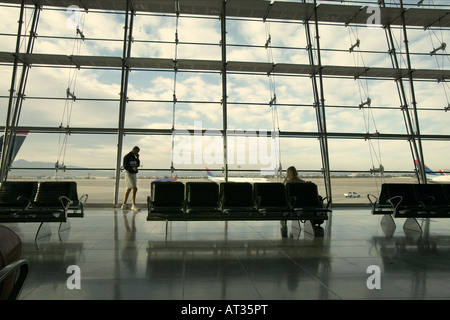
220	264
123	256
416	263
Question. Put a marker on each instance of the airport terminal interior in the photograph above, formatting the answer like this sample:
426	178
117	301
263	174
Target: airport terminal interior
354	94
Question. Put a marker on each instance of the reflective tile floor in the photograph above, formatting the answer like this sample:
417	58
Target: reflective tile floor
120	255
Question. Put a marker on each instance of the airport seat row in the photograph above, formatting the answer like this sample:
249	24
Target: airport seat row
235	201
411	201
47	201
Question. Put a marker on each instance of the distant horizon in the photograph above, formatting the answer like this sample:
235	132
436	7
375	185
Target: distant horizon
45	169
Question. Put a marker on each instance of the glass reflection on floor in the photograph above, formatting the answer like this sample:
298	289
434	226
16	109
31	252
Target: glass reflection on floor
123	256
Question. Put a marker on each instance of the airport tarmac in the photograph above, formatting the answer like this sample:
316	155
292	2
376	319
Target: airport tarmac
101	191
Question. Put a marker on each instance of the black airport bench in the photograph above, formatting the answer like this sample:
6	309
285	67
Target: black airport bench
412	201
228	201
48	201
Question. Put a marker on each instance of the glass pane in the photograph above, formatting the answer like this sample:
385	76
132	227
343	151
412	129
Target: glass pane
360	155
57	31
10	17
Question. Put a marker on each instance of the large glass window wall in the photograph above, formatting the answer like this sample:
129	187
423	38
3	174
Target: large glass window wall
318	87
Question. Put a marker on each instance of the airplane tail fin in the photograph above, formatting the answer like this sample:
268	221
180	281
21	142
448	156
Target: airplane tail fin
428	171
209	173
175	178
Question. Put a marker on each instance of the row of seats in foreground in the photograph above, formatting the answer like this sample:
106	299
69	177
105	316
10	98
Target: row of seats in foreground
235	201
46	201
411	201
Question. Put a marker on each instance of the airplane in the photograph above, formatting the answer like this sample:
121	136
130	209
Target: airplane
167	180
434	177
212	177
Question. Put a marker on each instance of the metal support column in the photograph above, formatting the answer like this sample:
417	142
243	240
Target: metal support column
127	40
418	150
11	113
411	123
223	18
319	100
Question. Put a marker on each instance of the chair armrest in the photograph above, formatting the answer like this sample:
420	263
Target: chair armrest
428	201
395	201
25	200
22	266
258	202
66	202
83	199
373	199
322	200
149	203
328	202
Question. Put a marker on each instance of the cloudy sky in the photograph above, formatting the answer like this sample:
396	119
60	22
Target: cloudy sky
154	36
